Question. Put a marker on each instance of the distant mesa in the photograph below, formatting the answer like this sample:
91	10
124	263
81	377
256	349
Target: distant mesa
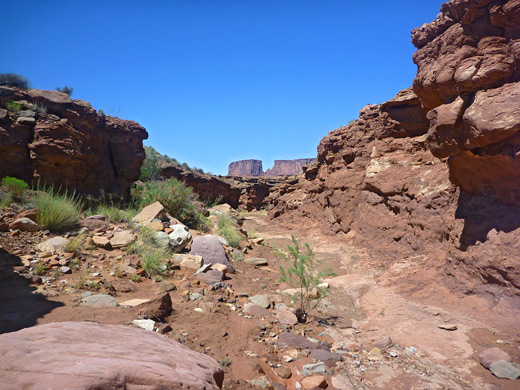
253	168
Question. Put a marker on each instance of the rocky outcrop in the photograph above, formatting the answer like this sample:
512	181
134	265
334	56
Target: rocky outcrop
385	181
246	168
288	167
468	77
87	355
253	168
248	193
55	140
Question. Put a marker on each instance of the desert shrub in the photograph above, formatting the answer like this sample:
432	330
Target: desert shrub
114	212
150	169
38	108
14	186
180	201
135	278
77	244
5	199
228	229
304	276
13	106
66	89
57	211
14	80
152	262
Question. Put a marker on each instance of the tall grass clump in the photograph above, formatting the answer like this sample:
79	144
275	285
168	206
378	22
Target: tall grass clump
228	229
57	211
113	212
152	262
180	201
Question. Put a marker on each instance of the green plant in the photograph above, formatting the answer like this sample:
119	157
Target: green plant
227	228
38	108
252	235
57	211
77	244
39	269
14	186
13	106
305	277
14	80
82	278
177	199
158	278
94	285
153	263
66	89
225	362
150	169
114	213
5	200
135	278
73	263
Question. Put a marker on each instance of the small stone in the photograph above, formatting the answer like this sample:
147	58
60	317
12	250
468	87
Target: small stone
180	237
314	382
284	372
161	240
286	317
211	277
450	327
99	300
255	310
383	342
257	261
260	382
26	121
101	241
503	369
134	302
36	279
144	324
220	267
65	270
261	300
189	262
25	225
155	226
122	239
198	310
316	368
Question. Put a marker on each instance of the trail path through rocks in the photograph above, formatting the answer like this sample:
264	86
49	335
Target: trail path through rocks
436	335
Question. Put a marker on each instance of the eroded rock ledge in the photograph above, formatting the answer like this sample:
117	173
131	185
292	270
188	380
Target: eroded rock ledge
66	143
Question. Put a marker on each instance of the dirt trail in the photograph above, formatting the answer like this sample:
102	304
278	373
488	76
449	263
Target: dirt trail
406	302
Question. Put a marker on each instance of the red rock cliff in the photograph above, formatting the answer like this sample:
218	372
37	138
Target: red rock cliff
63	142
385	182
288	167
246	168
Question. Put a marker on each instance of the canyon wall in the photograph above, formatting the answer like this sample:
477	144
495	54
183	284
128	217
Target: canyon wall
245	168
433	173
54	140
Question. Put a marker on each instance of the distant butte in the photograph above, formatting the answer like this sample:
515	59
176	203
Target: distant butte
253	168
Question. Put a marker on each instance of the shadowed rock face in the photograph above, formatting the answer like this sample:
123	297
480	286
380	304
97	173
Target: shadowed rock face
381	180
84	355
71	145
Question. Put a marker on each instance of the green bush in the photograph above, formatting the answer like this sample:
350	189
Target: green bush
57	211
13	106
152	262
38	108
14	80
304	276
66	89
150	169
14	186
113	212
178	200
228	229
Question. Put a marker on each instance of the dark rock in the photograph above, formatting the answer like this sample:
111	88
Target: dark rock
157	309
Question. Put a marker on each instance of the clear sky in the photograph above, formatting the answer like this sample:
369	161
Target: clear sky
217	81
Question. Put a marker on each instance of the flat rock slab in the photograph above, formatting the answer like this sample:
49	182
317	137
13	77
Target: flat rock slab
292	340
257	261
25	225
256	310
149	213
315	368
261	300
491	355
122	239
57	244
99	300
134	302
503	369
211	277
86	355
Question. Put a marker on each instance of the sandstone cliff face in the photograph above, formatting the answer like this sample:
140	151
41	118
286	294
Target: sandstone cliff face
253	168
246	168
67	143
288	167
385	182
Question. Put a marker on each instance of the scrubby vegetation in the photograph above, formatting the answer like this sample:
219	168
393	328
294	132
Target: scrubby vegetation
228	229
180	201
13	106
14	80
66	89
303	275
15	187
57	211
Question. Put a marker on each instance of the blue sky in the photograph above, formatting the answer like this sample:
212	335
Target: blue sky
218	81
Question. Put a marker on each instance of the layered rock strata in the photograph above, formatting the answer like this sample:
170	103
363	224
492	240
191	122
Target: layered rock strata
55	140
253	168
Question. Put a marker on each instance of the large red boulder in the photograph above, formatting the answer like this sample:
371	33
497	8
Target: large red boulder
86	355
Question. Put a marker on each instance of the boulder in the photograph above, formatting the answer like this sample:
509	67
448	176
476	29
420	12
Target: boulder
180	237
256	310
93	222
157	309
491	355
314	382
25	225
261	300
56	244
161	239
87	355
286	316
211	277
211	250
32	214
149	213
102	242
190	262
503	369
